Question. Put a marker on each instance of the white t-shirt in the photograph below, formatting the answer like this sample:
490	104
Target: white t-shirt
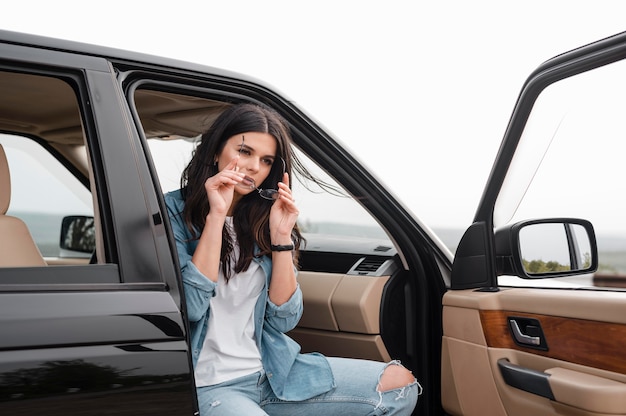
229	350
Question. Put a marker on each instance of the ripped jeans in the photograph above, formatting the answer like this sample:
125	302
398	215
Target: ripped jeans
356	393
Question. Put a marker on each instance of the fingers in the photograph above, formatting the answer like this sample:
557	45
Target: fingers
226	177
233	164
232	168
286	197
283	189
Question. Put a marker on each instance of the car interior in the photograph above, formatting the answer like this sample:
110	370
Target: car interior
351	276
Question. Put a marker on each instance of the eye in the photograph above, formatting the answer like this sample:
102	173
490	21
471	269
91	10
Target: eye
268	162
244	151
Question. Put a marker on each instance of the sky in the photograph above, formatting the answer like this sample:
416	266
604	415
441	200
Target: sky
420	92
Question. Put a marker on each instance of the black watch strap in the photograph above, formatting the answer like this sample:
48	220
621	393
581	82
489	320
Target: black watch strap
287	247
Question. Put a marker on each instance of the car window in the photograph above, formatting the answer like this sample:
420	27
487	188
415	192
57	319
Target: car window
50	183
173	123
43	192
570	164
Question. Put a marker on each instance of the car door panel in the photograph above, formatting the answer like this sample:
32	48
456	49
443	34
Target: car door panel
465	357
581	329
341	315
534	321
58	359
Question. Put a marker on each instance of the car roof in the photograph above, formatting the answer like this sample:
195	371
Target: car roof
27	98
26	39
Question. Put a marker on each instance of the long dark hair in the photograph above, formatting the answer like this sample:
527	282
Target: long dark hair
251	215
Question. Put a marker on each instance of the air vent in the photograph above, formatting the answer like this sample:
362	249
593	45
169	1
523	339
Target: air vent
373	266
369	265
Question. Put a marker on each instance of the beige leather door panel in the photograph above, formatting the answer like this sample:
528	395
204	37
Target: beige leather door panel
341	315
534	351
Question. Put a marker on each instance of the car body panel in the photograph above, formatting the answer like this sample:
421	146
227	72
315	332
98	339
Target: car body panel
61	347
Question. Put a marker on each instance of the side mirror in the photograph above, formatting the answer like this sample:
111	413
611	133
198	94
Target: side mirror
78	235
538	249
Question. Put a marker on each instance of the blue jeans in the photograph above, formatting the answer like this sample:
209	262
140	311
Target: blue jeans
355	394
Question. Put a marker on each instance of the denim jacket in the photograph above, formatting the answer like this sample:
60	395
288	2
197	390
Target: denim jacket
292	375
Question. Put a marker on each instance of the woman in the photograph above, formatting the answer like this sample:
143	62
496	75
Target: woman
234	220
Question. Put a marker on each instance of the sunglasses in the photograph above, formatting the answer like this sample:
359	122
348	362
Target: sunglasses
269	194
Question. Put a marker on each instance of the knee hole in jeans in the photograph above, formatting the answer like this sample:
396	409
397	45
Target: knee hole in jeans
395	376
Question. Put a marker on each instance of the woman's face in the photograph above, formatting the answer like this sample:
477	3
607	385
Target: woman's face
257	154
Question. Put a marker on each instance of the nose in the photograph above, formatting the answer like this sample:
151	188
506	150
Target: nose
252	164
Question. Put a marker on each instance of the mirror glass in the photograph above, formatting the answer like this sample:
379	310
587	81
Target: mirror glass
78	235
554	247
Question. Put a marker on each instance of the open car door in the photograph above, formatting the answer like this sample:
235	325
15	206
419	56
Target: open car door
535	320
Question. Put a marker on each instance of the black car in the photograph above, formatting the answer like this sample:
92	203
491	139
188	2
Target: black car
527	317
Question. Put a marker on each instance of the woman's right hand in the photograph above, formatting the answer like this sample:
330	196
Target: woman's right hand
220	188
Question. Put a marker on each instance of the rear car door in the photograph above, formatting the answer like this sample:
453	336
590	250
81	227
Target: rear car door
525	329
91	322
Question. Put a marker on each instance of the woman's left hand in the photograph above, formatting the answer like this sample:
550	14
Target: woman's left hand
284	214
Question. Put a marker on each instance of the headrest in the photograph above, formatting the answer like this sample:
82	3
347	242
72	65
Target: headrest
5	183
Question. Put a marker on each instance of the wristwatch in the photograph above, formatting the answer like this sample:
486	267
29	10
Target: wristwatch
286	247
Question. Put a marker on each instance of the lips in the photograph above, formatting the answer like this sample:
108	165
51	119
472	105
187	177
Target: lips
248	182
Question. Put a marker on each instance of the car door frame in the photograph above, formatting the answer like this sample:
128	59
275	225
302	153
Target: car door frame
428	262
477	313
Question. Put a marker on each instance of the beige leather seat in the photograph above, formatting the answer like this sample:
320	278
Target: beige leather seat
17	248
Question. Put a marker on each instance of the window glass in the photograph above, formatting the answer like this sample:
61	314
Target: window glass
331	213
570	164
41	126
43	192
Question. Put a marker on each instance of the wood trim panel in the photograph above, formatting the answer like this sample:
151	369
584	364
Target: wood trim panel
589	343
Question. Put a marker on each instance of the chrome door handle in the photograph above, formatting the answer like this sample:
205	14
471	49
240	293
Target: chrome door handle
521	337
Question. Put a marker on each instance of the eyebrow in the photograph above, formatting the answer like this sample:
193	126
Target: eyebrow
250	148
243	146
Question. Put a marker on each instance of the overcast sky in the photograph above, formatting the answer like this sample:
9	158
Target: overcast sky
421	92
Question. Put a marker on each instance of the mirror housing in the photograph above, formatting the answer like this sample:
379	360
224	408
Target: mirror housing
538	249
78	236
